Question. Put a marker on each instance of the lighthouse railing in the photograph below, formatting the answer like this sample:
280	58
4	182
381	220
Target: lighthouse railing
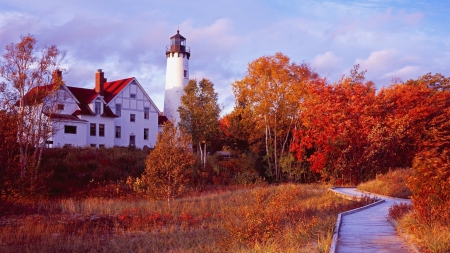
178	48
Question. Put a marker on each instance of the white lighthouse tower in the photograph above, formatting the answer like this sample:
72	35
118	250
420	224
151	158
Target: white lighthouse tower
177	76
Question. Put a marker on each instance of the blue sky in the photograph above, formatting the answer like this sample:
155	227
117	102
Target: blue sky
389	38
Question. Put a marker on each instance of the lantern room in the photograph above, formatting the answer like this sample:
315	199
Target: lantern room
178	45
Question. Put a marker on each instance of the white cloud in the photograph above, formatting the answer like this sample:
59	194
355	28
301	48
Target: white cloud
378	60
326	63
404	73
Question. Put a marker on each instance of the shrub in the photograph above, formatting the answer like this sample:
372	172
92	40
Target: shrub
434	239
77	169
391	184
168	166
431	188
397	211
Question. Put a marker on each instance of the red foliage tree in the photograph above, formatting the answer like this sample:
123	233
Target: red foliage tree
430	183
336	121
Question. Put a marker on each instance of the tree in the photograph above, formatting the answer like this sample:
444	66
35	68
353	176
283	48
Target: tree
199	114
9	174
30	90
430	183
273	90
238	131
404	110
335	123
168	165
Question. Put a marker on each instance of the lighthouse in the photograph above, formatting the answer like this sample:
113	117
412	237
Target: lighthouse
177	76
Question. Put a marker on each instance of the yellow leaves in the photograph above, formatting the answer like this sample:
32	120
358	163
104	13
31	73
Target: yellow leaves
168	165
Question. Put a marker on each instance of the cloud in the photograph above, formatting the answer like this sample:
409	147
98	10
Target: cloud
404	73
385	37
378	60
326	63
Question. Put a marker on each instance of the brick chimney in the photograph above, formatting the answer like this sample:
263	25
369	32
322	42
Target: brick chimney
57	76
100	81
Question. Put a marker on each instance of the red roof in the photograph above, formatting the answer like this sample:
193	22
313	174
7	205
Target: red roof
66	117
84	110
162	119
85	96
37	94
107	112
115	87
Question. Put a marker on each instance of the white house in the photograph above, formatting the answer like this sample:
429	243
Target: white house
117	113
120	113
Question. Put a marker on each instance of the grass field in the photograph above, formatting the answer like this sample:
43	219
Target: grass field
284	218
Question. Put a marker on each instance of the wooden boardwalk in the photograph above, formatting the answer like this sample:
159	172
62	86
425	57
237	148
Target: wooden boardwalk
369	230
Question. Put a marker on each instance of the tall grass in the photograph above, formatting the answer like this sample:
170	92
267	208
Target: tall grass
391	184
285	218
434	238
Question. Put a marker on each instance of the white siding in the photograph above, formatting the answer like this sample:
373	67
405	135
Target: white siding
60	138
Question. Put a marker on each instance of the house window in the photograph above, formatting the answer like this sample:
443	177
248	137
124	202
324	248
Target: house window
93	129
132	95
101	130
118	110
97	108
146	112
132	140
61	107
93	146
118	131
145	133
185	73
70	129
101	145
132	117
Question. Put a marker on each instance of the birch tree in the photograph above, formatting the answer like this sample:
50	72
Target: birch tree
273	89
30	90
199	114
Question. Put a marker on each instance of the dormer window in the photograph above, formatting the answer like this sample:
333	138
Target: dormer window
61	107
98	107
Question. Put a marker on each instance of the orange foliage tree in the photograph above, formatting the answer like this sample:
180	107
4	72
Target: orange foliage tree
169	165
271	93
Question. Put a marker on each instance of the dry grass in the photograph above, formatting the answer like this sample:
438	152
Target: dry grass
434	238
285	218
391	184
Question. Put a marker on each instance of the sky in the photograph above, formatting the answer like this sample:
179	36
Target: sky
401	39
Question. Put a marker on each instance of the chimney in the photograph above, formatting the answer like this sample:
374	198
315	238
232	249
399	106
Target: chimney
100	81
57	76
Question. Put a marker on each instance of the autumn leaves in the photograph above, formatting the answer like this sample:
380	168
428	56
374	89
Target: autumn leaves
346	131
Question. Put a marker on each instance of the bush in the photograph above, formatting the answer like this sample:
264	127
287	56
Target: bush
391	184
431	188
77	169
397	211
